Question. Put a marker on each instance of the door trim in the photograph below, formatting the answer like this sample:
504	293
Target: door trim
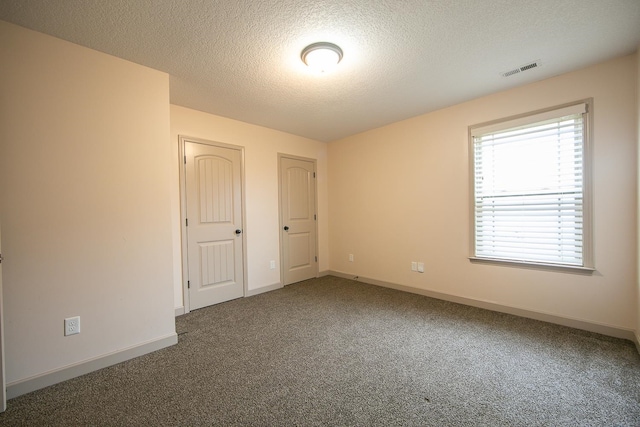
3	377
182	140
281	222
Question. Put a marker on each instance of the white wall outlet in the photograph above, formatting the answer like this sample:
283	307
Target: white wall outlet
272	265
414	266
71	325
421	267
350	257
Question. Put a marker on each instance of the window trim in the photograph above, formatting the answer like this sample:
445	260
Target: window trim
588	261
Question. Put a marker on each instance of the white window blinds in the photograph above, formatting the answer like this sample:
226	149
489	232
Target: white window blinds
529	188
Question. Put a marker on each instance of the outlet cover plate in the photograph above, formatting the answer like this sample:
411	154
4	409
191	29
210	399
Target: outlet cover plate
71	326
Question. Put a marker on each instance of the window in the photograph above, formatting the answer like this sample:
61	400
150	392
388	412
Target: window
531	195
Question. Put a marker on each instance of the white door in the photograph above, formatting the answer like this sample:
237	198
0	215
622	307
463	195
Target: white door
298	219
213	189
3	390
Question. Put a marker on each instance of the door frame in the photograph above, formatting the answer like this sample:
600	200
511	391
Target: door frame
182	159
3	377
281	222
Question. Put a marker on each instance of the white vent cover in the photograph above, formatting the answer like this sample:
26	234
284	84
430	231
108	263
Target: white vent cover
520	69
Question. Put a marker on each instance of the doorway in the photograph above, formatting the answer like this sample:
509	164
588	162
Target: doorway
212	222
298	218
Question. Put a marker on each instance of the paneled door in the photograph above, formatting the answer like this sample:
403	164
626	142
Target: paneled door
213	187
298	219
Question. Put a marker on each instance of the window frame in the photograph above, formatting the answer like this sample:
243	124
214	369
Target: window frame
588	261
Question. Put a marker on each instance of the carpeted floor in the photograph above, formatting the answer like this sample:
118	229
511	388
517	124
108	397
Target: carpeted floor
335	352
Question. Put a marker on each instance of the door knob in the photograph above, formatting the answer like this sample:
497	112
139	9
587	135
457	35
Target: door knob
286	228
238	231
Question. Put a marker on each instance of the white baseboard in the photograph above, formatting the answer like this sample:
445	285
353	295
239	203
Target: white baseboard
325	273
37	382
179	311
263	289
599	328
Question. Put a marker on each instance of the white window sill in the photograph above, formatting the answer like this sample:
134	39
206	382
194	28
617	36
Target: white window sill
534	265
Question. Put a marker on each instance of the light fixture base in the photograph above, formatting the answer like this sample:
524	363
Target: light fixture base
321	55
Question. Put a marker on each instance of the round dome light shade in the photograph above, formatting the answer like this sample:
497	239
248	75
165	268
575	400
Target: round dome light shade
321	56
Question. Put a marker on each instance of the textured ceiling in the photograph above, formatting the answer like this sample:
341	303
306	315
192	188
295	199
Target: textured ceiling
402	58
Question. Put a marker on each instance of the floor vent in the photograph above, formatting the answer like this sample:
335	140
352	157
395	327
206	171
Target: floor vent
522	68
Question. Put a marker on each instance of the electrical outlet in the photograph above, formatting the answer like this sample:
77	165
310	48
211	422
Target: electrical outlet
272	265
421	267
350	257
71	326
414	266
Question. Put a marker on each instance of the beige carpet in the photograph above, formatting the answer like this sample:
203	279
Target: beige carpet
334	352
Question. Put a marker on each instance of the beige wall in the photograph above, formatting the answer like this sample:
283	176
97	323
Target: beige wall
261	146
84	203
401	193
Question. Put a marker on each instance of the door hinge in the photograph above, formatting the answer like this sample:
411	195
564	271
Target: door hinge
186	222
188	284
185	160
314	174
315	217
316	259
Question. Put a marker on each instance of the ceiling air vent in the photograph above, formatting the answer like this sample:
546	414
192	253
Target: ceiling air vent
534	64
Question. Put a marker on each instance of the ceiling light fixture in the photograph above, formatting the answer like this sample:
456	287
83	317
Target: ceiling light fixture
321	56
